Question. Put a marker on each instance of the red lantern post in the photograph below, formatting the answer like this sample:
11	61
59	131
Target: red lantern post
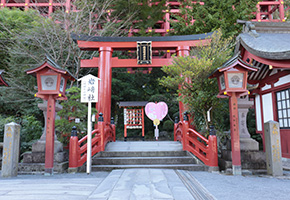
51	82
232	81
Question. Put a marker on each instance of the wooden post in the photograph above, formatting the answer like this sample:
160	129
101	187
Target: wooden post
143	124
185	127
281	11
50	8
73	151
213	154
101	127
49	145
235	138
175	128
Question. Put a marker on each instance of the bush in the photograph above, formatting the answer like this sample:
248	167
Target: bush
72	108
30	131
168	125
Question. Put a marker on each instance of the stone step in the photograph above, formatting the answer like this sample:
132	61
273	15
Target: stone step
141	153
38	168
190	167
144	146
143	160
160	155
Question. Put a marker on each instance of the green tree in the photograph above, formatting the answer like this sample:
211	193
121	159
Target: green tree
15	21
139	87
72	109
145	15
198	92
18	98
25	39
31	129
213	15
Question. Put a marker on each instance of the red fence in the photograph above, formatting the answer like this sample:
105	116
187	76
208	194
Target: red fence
192	141
104	133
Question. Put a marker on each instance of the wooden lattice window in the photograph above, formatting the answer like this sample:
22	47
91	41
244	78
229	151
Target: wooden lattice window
283	108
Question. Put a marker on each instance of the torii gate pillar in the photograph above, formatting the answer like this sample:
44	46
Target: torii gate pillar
105	86
182	51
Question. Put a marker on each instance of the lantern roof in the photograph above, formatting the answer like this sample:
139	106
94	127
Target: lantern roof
52	65
2	81
231	63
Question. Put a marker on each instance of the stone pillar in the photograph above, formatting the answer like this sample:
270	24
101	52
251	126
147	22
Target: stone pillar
11	150
273	148
39	146
246	142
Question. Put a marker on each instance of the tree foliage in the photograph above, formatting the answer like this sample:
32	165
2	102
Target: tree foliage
27	37
72	109
140	87
191	73
213	15
146	15
31	129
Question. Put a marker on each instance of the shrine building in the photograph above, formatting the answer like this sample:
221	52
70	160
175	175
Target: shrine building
266	45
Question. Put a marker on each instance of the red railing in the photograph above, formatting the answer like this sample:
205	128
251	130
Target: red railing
104	133
192	141
178	132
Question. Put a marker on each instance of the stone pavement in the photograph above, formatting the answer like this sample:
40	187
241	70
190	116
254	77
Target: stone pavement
143	184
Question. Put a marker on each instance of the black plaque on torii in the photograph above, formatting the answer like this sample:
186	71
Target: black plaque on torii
144	52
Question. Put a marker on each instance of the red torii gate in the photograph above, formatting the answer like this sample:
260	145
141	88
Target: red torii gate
179	45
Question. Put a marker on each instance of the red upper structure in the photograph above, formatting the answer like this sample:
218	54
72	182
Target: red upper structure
268	11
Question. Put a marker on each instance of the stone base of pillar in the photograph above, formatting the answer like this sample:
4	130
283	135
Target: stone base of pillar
237	170
39	146
249	144
33	162
250	160
39	157
39	168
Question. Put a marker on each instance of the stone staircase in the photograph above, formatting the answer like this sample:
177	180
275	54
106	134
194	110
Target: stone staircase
126	155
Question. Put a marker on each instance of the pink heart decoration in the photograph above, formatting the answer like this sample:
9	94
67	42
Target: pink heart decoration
156	110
